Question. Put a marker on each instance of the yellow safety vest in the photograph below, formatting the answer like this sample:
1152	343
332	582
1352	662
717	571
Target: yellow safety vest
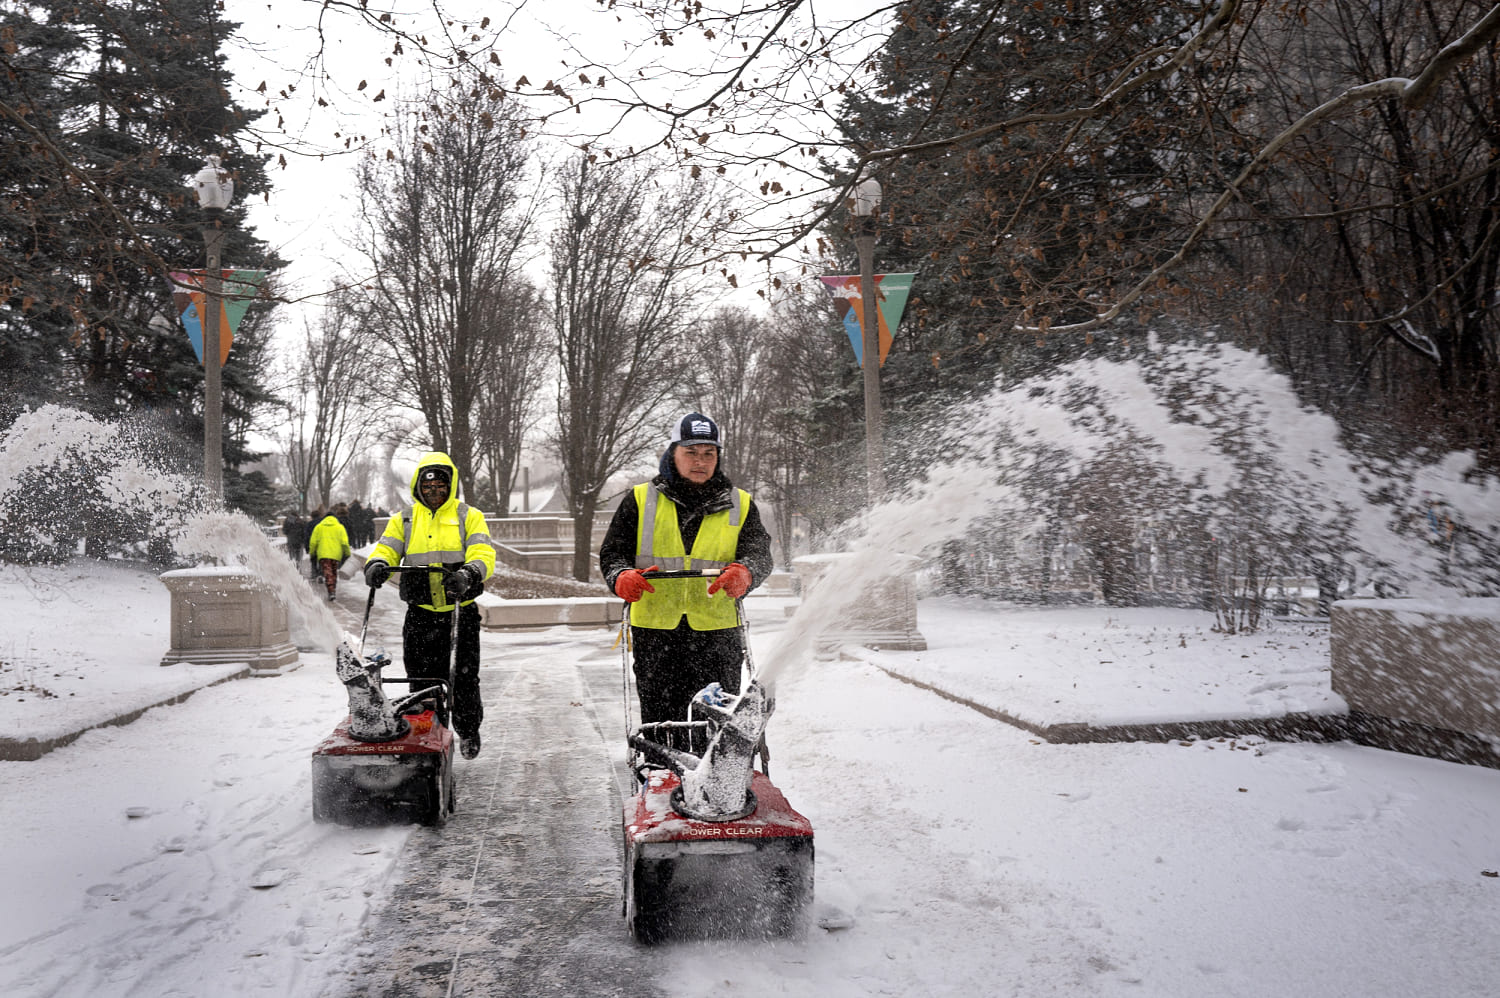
456	532
658	541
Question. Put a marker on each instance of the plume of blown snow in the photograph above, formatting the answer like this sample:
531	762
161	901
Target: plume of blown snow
888	540
52	436
233	539
55	437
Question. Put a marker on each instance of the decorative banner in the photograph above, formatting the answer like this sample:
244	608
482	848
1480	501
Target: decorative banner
891	292
237	288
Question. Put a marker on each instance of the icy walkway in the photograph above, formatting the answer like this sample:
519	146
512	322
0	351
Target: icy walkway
519	894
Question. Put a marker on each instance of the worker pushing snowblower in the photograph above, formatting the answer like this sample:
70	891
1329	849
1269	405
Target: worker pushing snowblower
682	550
382	761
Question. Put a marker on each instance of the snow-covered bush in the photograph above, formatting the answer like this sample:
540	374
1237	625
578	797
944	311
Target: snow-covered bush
1197	464
69	481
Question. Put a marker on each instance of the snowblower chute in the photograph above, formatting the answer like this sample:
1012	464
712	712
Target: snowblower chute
388	760
712	848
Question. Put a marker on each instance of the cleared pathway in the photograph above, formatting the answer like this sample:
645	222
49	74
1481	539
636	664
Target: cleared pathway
519	894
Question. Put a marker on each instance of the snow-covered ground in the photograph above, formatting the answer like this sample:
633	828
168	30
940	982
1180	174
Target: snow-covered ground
956	855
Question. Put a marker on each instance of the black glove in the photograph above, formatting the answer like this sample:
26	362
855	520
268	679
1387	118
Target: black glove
376	572
458	582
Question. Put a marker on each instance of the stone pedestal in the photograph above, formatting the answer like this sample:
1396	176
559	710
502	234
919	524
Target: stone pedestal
1420	671
226	614
878	612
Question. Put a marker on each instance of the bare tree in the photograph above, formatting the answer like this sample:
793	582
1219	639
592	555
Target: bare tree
806	412
449	220
521	347
333	411
762	93
738	388
622	296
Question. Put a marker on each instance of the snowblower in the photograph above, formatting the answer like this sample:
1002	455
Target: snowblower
388	761
712	848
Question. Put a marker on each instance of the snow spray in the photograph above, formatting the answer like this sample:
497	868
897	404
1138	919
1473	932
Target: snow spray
232	539
125	486
1216	423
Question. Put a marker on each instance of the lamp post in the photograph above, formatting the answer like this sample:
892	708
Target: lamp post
866	201
214	188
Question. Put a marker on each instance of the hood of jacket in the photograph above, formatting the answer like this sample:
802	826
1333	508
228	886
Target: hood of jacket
436	459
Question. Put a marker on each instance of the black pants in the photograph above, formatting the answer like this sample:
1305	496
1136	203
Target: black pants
671	666
425	636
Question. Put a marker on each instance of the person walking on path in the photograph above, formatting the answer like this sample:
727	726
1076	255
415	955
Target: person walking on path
308	526
357	528
367	523
296	536
328	546
685	634
439	531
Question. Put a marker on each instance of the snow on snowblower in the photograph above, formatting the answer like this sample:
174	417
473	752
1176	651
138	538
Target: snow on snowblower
712	848
388	760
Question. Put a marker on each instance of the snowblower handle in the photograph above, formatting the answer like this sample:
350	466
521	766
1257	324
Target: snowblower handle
686	573
364	628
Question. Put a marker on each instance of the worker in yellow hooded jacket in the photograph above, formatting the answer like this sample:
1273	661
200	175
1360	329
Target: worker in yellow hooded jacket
440	532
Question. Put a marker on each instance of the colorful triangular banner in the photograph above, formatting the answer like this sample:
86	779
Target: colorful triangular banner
238	289
891	292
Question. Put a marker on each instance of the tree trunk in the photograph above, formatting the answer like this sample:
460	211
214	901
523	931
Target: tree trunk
583	536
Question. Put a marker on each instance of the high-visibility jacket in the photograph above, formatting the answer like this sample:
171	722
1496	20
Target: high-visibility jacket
328	539
659	543
453	534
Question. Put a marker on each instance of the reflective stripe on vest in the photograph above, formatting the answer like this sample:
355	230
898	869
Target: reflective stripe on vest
659	543
436	557
438	598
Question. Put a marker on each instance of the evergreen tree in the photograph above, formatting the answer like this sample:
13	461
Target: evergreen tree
109	108
1024	224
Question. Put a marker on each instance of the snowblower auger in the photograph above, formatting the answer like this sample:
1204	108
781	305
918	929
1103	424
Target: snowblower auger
712	848
388	760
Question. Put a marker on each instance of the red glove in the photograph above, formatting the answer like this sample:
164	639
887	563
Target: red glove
734	580
631	584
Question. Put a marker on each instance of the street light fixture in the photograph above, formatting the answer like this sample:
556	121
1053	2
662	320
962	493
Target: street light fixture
214	188
866	201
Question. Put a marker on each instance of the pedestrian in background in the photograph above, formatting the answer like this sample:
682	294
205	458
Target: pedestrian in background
329	546
356	525
295	534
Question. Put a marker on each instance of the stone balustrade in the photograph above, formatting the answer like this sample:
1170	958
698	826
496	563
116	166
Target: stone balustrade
497	614
534	543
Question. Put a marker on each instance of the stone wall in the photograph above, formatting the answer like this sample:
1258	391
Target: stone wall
1417	668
